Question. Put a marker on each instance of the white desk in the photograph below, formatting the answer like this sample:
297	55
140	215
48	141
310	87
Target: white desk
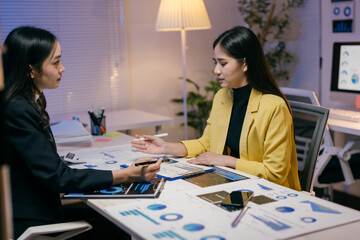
342	126
346	231
123	120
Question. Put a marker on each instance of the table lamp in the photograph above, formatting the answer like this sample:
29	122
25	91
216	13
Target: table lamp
182	15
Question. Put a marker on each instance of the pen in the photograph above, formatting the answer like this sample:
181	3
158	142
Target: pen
152	162
96	121
101	114
156	135
241	214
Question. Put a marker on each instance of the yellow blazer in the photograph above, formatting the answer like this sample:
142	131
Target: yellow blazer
267	146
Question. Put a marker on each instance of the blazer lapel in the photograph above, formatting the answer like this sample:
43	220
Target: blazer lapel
252	108
225	115
51	138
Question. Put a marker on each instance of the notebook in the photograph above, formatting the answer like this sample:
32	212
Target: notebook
127	190
70	132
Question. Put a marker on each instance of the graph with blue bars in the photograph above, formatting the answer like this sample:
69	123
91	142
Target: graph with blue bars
168	234
229	175
272	223
341	26
135	212
142	187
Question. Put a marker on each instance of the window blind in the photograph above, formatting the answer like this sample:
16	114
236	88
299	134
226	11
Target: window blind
93	41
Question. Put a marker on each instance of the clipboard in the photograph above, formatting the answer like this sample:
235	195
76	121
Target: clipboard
127	190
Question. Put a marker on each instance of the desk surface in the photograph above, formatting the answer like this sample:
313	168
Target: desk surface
346	231
131	118
342	126
211	219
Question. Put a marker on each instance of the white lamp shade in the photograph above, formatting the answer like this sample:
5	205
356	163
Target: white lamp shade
175	15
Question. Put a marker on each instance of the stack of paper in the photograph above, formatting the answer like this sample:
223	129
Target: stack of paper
70	132
180	168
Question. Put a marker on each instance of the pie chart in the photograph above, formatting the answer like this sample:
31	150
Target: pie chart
285	209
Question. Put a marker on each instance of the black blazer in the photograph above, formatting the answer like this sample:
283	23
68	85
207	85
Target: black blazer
38	174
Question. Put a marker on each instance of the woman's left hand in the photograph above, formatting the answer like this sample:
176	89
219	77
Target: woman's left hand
215	159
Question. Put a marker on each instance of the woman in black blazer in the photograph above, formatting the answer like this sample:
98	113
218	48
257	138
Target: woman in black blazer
31	64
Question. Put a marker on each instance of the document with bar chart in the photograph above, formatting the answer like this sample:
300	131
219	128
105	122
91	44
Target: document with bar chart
275	212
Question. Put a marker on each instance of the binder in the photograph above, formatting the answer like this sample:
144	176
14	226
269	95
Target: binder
70	132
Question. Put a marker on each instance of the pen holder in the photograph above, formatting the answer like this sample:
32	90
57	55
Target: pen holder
96	129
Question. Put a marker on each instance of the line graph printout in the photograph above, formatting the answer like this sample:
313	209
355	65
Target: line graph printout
109	158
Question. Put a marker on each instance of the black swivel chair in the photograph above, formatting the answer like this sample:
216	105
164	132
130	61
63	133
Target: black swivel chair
309	126
335	164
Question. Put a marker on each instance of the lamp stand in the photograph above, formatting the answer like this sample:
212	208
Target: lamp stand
183	49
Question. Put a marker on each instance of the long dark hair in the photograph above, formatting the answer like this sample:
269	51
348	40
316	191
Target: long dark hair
24	47
239	43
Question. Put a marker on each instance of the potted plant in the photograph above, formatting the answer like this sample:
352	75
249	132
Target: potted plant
199	105
270	21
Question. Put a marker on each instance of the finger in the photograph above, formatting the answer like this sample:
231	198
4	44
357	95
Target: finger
150	138
142	147
145	159
136	141
138	144
150	177
193	161
156	166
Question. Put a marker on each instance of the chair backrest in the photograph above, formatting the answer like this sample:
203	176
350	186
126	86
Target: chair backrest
307	96
309	125
300	95
6	227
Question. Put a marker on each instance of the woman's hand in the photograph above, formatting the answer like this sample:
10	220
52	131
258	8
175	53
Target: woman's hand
137	173
151	144
214	159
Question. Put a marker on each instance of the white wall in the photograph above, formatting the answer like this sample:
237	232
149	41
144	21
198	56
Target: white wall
155	57
304	40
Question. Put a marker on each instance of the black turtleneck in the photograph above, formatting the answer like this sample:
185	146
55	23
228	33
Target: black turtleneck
241	99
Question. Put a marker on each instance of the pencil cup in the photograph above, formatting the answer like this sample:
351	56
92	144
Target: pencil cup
96	128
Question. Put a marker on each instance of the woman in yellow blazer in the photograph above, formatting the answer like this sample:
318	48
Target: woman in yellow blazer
250	125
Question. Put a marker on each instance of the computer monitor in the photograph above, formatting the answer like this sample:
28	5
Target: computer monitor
345	75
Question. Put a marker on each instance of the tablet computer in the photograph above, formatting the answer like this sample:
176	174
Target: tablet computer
127	190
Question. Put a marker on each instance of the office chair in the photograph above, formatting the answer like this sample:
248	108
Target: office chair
57	231
309	126
335	164
52	231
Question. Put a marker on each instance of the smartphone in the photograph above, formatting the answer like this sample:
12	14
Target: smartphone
237	199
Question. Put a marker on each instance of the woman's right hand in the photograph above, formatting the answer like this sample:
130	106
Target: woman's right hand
137	173
151	144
